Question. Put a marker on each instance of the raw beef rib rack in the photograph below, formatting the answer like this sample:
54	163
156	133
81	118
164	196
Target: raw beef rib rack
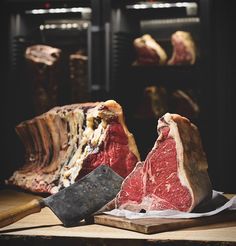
66	143
174	174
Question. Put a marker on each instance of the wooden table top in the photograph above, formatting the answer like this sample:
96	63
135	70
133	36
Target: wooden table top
46	224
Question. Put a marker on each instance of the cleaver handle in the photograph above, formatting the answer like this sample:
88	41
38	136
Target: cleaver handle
14	214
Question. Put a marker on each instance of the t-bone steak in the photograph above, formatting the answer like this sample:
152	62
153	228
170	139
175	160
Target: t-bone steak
184	49
174	174
149	52
66	143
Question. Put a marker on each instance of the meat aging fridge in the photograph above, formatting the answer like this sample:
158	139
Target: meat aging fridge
201	88
96	44
52	56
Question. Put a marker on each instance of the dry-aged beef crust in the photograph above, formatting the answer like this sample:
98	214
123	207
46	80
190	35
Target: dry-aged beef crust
78	64
174	174
149	52
44	75
65	143
184	49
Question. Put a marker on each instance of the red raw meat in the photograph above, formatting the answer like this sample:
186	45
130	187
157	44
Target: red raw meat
66	143
149	52
174	174
184	49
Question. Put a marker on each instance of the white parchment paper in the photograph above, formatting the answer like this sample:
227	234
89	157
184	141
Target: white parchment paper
217	204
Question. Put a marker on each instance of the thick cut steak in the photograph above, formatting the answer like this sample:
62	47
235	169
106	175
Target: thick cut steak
184	48
149	52
174	174
66	143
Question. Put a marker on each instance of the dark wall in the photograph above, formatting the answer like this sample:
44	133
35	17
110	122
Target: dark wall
223	79
11	154
4	122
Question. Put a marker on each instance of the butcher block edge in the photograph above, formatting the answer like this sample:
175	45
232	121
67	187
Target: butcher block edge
155	225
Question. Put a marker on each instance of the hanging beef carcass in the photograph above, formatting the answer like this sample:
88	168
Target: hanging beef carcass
66	143
174	174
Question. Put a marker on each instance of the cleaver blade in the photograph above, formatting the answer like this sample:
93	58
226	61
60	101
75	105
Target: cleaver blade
74	203
86	196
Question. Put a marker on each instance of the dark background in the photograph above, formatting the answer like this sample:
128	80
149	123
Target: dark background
219	79
222	77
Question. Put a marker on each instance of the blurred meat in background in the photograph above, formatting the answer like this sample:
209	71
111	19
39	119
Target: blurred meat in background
78	63
44	74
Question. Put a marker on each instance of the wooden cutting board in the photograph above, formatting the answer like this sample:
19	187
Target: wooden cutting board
154	225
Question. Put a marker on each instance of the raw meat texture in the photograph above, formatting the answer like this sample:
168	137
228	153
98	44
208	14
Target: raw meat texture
45	76
66	143
78	64
149	52
184	49
174	174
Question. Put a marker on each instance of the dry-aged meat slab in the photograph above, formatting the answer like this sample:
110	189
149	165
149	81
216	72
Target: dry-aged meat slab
149	52
174	174
45	76
184	49
66	143
78	64
158	100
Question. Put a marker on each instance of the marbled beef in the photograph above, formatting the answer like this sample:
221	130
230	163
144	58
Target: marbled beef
174	174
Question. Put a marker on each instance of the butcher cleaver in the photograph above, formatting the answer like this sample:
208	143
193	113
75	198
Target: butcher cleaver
74	203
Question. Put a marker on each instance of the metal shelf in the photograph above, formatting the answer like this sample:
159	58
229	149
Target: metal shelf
157	9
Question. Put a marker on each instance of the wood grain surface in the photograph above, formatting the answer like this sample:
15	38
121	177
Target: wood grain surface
154	225
46	225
